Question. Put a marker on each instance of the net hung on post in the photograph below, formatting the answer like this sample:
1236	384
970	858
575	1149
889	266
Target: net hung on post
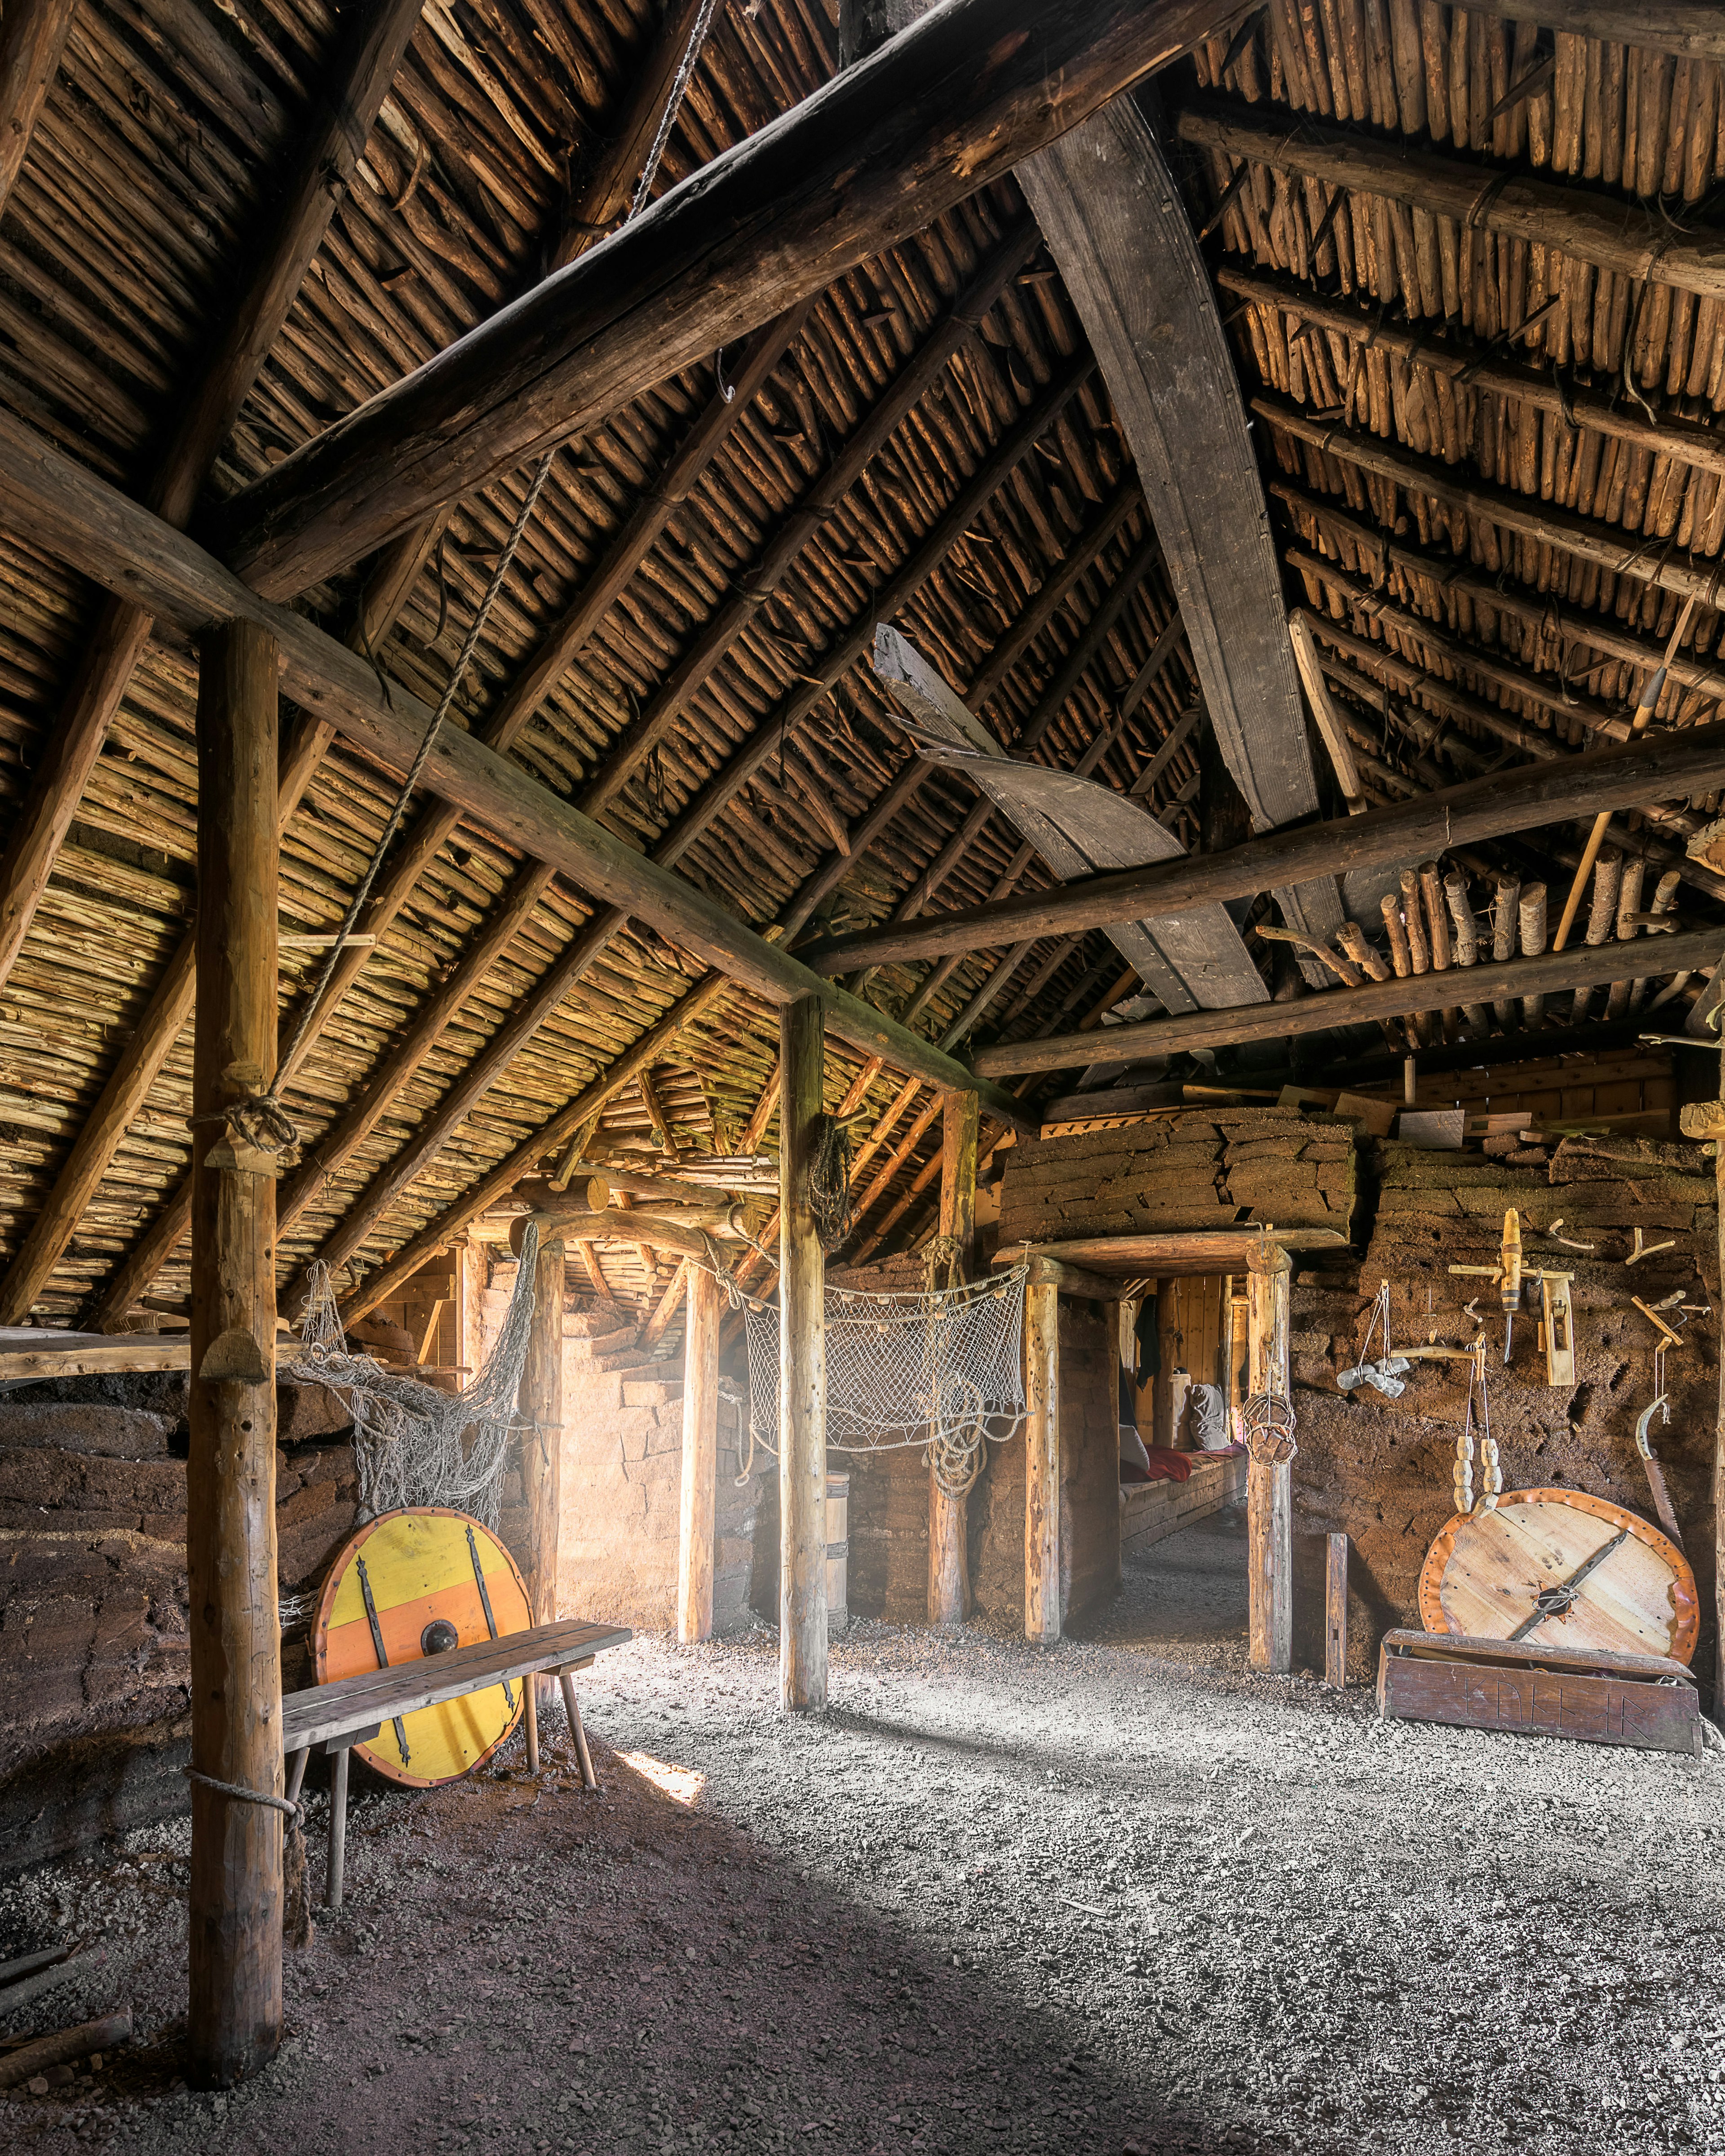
942	1369
412	1444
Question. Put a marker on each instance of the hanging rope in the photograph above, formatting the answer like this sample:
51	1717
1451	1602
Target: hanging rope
673	105
1266	1428
278	1118
296	1891
828	1186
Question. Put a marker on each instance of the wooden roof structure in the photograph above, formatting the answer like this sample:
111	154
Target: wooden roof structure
308	294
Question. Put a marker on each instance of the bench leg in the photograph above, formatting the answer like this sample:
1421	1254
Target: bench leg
530	1704
338	1831
589	1780
296	1773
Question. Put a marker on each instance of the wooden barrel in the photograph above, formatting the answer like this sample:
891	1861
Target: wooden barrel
838	1551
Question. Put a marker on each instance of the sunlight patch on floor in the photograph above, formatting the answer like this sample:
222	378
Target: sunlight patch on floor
683	1785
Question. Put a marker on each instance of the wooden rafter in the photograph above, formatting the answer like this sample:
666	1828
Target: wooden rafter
1690	761
1583	966
33	36
321	164
1634	243
957	99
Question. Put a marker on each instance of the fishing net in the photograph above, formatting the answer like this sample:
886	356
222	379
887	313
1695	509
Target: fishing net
414	1444
941	1369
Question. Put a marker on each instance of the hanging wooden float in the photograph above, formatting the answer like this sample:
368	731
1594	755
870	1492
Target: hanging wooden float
417	1583
1587	1573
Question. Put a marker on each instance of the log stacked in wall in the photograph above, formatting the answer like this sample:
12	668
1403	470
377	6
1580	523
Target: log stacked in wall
1193	1169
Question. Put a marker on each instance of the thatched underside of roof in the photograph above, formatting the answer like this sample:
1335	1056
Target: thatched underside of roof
1457	425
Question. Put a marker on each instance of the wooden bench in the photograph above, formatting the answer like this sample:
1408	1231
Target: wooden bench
337	1716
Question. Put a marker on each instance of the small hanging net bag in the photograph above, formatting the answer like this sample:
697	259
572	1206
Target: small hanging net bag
414	1444
942	1369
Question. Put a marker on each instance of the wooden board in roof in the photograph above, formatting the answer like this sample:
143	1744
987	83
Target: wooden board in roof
1486	1572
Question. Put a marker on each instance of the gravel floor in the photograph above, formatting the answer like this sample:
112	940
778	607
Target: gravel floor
1120	1896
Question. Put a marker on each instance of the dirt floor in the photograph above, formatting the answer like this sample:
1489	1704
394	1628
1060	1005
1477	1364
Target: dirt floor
1123	1896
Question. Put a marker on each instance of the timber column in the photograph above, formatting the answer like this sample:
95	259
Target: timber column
1042	1462
948	1553
541	1401
233	2022
700	1457
1270	1524
802	1368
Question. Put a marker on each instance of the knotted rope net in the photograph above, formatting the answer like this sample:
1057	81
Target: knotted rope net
414	1444
942	1369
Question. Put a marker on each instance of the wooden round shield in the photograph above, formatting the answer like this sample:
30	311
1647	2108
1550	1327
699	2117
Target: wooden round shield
405	1582
1592	1574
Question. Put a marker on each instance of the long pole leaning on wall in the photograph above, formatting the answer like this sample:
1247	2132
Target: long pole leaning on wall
233	2022
696	1518
801	1369
1270	1537
948	1555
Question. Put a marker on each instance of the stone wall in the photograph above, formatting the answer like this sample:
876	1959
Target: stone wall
92	1607
1379	1470
622	1484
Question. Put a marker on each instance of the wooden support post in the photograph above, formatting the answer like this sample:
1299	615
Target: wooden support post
1270	1538
801	1369
233	2023
541	1404
334	1875
1042	1463
1336	1611
700	1458
1719	1430
949	1555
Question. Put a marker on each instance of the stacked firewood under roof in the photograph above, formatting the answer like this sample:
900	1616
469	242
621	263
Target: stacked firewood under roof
1489	527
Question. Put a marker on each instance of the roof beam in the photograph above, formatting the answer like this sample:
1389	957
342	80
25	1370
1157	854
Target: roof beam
1603	545
1593	224
58	504
323	162
1584	966
1661	767
33	36
950	334
1460	358
1115	223
874	156
1692	29
496	1183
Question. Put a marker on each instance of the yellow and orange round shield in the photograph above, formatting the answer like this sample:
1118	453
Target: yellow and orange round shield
412	1583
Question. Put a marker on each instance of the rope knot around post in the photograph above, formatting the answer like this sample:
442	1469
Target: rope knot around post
296	1888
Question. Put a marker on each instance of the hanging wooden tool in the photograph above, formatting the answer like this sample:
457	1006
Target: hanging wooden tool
1557	1328
1509	1275
1585	1572
1655	1473
409	1584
